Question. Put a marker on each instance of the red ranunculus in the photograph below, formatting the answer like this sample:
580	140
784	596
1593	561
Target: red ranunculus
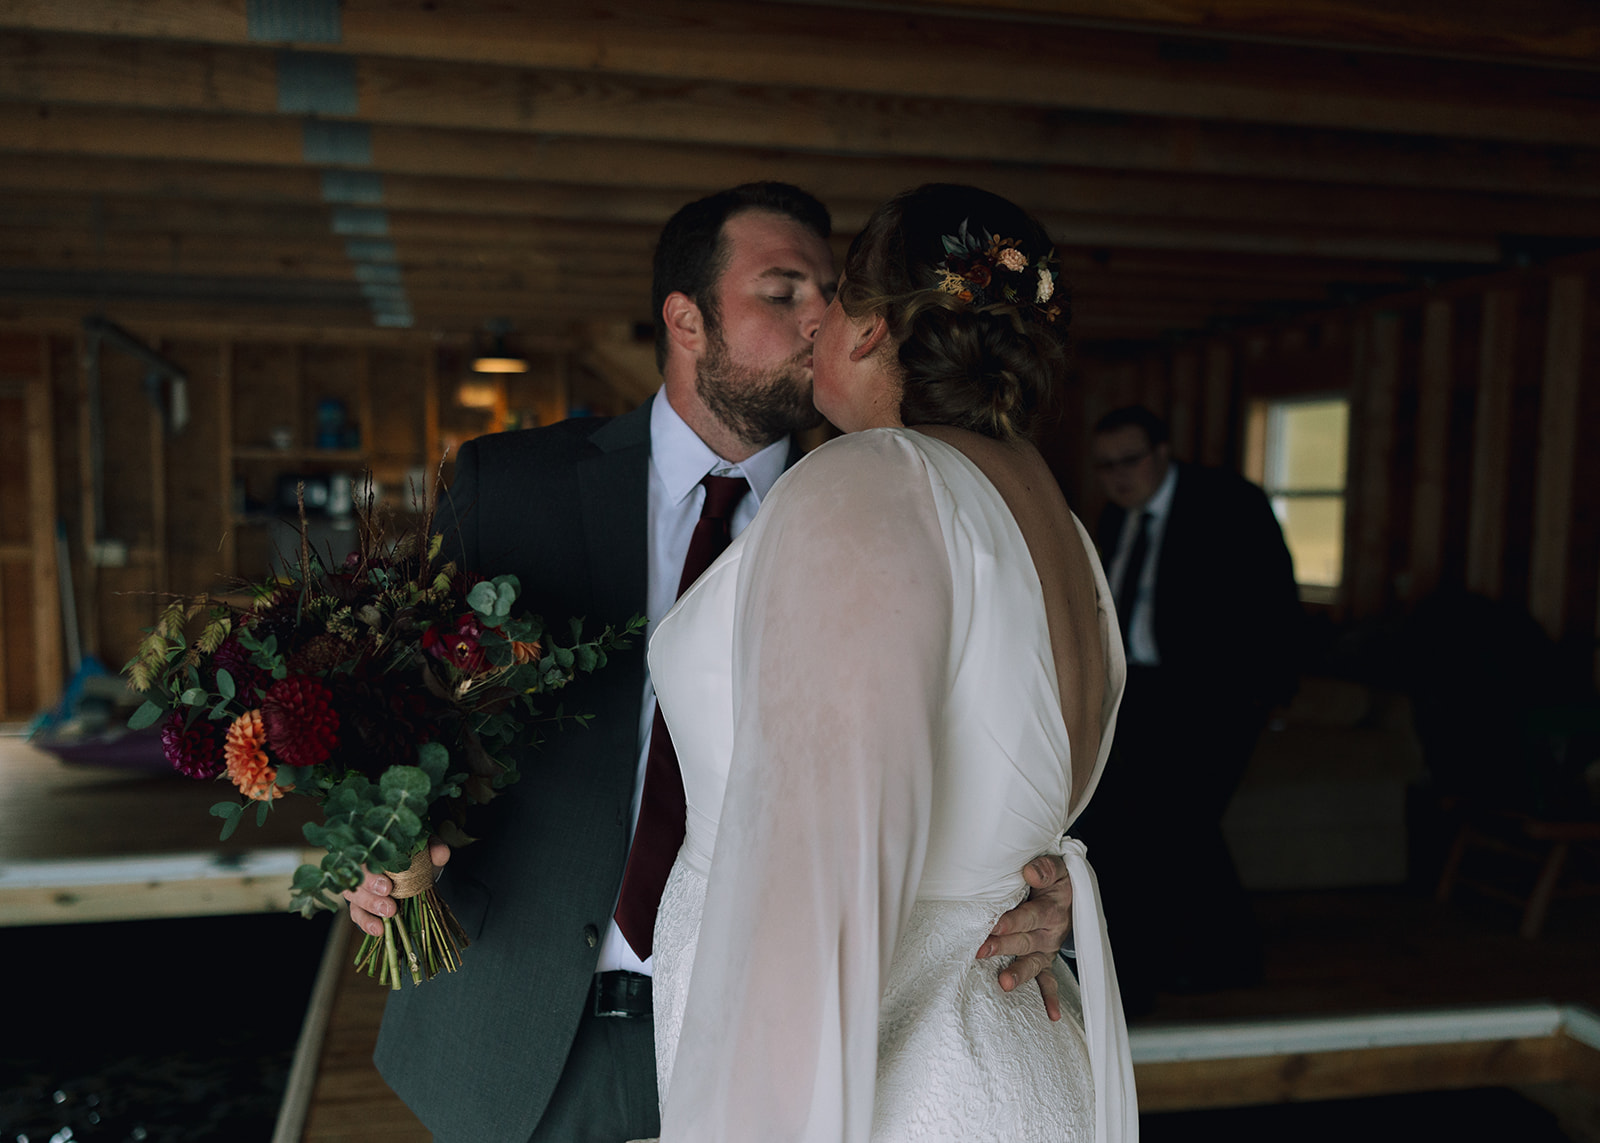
458	646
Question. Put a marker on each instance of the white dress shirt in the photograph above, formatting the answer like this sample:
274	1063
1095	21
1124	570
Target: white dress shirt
1141	648
679	460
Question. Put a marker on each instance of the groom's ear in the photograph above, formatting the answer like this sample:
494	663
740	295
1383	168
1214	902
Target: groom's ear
685	325
869	338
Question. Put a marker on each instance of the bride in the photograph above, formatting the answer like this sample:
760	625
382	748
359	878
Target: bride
894	689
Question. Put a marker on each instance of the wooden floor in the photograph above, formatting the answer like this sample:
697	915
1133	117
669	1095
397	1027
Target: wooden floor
1334	952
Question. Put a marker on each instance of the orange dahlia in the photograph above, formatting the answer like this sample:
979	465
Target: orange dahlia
246	754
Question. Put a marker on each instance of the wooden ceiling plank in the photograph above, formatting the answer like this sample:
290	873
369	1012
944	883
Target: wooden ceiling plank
192	77
1558	31
916	54
1337	158
1552	30
99	214
1088	192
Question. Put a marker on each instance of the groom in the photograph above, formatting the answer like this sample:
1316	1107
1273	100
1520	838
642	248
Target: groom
545	1032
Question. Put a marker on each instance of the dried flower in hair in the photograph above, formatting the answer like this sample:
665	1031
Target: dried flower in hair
994	272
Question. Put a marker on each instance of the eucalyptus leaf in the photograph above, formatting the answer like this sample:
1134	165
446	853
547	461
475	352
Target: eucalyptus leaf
146	715
434	760
405	826
404	783
194	696
385	853
225	684
262	810
482	598
232	814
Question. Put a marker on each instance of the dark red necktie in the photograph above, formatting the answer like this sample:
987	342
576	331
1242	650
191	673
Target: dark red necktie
662	810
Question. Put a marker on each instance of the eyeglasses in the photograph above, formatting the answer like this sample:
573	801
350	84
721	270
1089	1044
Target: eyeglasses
1123	463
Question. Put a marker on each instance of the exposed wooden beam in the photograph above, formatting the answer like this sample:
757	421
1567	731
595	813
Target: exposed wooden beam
1153	228
910	53
1548	30
1190	197
72	71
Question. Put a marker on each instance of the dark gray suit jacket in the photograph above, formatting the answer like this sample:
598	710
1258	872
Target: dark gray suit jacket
476	1054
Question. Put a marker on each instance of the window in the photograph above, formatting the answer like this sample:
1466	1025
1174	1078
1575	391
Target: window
1297	451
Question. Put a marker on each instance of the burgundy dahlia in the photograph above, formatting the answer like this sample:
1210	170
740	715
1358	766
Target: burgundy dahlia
302	726
194	751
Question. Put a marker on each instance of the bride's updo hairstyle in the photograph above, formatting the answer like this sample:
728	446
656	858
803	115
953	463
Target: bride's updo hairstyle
969	286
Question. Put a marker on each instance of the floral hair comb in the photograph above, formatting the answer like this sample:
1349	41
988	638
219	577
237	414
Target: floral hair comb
990	271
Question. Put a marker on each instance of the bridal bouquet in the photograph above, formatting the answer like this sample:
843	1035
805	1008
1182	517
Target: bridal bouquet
391	690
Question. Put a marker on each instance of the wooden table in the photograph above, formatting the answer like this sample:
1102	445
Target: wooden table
101	843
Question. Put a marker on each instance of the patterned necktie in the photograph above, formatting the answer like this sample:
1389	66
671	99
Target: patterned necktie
662	811
1128	590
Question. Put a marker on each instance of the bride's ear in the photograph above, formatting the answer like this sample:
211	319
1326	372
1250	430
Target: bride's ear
869	337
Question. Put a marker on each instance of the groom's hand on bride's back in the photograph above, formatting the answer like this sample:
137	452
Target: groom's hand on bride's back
1035	930
372	902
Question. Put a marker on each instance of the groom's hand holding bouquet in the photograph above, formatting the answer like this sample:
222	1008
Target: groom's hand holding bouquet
390	690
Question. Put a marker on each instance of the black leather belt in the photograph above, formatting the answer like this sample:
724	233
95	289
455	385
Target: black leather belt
621	994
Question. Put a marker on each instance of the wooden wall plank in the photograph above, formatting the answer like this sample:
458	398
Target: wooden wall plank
1218	405
87	583
1557	453
229	482
1372	415
48	653
1433	427
1183	415
1491	444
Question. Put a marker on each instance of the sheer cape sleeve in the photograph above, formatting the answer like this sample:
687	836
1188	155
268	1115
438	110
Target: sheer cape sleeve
840	662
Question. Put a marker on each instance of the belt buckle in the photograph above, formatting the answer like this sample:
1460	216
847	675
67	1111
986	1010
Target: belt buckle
612	990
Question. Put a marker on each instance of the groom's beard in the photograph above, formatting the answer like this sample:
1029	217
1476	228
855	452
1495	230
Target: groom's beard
759	406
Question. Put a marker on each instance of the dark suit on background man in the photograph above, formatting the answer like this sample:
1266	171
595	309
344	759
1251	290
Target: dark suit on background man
1212	641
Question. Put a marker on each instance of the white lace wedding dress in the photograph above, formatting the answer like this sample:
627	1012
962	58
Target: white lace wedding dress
868	674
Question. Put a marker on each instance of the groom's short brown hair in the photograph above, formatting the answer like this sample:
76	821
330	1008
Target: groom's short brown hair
691	255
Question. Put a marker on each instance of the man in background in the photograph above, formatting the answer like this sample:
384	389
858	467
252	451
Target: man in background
1210	620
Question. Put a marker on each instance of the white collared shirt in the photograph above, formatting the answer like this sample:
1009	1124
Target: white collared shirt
1141	648
679	460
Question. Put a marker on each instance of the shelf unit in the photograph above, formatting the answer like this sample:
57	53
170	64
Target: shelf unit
270	395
